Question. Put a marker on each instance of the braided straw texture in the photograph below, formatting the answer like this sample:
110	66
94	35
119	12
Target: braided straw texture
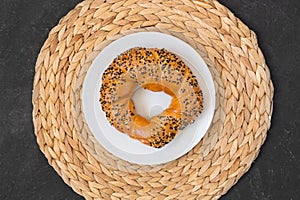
242	117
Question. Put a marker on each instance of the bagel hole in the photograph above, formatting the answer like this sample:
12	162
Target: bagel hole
149	104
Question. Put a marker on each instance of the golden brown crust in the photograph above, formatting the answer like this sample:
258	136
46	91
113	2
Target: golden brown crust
156	70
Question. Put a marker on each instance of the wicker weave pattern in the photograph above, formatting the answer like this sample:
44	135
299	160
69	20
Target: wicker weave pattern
242	118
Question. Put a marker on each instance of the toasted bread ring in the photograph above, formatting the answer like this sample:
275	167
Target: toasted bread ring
156	70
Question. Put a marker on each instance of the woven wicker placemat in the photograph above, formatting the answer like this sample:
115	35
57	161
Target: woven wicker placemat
244	95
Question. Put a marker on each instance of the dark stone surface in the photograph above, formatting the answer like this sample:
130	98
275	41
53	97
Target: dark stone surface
24	171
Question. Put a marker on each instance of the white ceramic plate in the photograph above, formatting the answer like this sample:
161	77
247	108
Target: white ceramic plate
121	145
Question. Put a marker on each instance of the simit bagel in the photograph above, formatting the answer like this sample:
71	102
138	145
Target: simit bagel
156	70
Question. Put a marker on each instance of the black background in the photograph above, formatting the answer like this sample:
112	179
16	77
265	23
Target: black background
24	171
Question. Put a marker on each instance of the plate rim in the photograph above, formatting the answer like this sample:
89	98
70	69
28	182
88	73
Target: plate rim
187	149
